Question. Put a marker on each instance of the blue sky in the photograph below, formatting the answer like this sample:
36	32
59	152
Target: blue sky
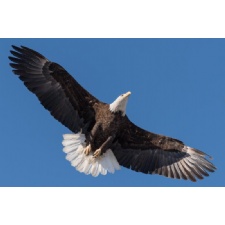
177	90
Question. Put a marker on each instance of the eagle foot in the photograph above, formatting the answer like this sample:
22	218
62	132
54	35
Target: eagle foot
87	150
97	153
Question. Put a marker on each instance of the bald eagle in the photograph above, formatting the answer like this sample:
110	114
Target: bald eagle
103	138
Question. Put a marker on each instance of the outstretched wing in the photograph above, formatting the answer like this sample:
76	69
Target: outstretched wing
150	153
56	89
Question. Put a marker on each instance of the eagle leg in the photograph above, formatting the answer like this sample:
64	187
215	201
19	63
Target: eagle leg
104	146
90	139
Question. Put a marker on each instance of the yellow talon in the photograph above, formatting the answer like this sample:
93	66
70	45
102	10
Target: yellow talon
87	150
97	153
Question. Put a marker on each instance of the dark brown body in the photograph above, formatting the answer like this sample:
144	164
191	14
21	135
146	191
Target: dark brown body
108	124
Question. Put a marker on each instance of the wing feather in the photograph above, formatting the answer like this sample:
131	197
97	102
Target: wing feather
55	88
177	169
151	153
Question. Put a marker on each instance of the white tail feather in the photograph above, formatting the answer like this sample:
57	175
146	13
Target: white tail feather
74	145
115	163
108	164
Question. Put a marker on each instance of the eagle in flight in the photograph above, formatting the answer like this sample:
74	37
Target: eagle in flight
103	138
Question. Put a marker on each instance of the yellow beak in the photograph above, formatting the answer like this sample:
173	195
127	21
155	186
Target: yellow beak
127	94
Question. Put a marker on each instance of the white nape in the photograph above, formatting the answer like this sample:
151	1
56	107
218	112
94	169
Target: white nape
120	104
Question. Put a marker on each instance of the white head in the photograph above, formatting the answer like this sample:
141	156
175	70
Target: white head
120	104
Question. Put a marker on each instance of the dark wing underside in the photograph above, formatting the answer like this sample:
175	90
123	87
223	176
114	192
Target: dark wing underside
150	153
56	89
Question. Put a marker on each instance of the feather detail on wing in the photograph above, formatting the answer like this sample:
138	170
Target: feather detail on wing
149	153
56	89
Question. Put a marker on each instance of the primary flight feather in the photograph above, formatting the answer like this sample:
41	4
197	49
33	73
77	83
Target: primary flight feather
103	137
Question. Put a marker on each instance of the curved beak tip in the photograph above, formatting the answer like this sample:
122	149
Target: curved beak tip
128	93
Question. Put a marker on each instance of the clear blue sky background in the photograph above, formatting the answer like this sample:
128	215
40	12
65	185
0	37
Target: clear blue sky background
178	89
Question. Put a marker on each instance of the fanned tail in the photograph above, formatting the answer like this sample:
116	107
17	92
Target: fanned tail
74	145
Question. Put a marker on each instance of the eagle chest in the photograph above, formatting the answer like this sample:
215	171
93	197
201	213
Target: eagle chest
109	123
